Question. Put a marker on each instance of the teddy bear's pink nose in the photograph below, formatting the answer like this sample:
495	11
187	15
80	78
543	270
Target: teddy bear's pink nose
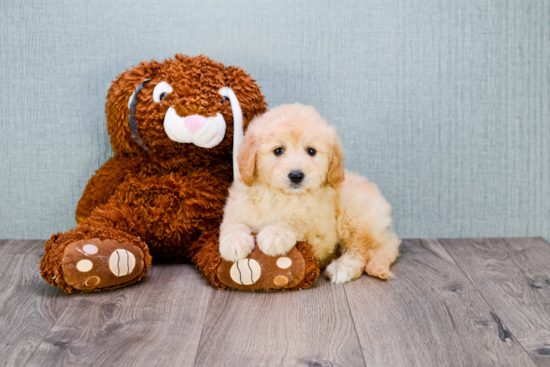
195	122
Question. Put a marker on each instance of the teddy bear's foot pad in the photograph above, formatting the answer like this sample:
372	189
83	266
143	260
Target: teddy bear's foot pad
93	263
263	272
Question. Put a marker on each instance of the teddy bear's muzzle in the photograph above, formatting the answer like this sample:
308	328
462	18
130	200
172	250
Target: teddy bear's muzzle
205	132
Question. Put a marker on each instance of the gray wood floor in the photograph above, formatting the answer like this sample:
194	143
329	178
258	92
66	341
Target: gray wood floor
480	302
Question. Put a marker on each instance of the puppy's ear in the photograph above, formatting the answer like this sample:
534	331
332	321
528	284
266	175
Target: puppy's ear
336	174
247	159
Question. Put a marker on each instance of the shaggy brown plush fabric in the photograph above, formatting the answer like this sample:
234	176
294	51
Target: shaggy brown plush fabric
162	196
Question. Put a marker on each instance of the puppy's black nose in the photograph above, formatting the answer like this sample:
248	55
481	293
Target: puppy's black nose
296	176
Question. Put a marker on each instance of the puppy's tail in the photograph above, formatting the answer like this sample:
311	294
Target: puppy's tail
238	131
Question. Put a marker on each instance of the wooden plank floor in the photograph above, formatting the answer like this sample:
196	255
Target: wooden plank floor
483	302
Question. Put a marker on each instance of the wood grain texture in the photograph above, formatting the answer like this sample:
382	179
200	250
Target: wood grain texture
513	275
453	303
156	322
312	327
28	306
12	247
430	315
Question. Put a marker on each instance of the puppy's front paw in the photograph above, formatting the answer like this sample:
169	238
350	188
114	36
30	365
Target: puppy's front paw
236	246
276	240
344	269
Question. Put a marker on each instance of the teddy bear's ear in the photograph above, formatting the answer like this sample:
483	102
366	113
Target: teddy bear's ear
120	97
248	93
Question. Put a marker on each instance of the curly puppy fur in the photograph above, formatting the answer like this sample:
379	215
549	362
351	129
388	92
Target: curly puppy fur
161	195
294	188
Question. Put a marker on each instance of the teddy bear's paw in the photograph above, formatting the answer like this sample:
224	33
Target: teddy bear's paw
344	269
236	245
276	240
262	272
93	263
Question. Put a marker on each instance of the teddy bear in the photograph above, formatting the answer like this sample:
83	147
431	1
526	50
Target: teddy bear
175	129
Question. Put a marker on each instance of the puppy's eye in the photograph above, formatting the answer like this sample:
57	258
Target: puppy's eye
161	90
279	151
311	151
225	99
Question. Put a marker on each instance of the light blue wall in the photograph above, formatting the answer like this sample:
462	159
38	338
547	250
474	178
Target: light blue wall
444	104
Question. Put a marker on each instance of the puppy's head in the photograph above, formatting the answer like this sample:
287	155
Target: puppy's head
291	148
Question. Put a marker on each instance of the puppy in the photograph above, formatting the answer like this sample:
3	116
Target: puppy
293	187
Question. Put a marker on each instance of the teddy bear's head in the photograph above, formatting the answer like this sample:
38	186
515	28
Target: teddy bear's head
175	109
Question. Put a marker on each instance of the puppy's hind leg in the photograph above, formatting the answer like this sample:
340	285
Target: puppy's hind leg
382	256
364	225
363	251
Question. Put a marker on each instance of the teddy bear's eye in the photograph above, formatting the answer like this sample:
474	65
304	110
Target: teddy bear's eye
311	151
279	151
161	90
225	99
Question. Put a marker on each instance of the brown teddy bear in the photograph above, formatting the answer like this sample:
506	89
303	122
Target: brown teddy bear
162	194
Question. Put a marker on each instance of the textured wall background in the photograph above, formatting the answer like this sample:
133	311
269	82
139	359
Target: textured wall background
444	103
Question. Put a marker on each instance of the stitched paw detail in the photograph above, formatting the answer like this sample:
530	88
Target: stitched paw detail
122	262
245	271
94	263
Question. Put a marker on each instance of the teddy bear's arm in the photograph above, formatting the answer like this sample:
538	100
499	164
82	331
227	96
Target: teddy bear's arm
104	183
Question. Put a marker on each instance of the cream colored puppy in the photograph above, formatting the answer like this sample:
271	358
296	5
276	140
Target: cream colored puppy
294	188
